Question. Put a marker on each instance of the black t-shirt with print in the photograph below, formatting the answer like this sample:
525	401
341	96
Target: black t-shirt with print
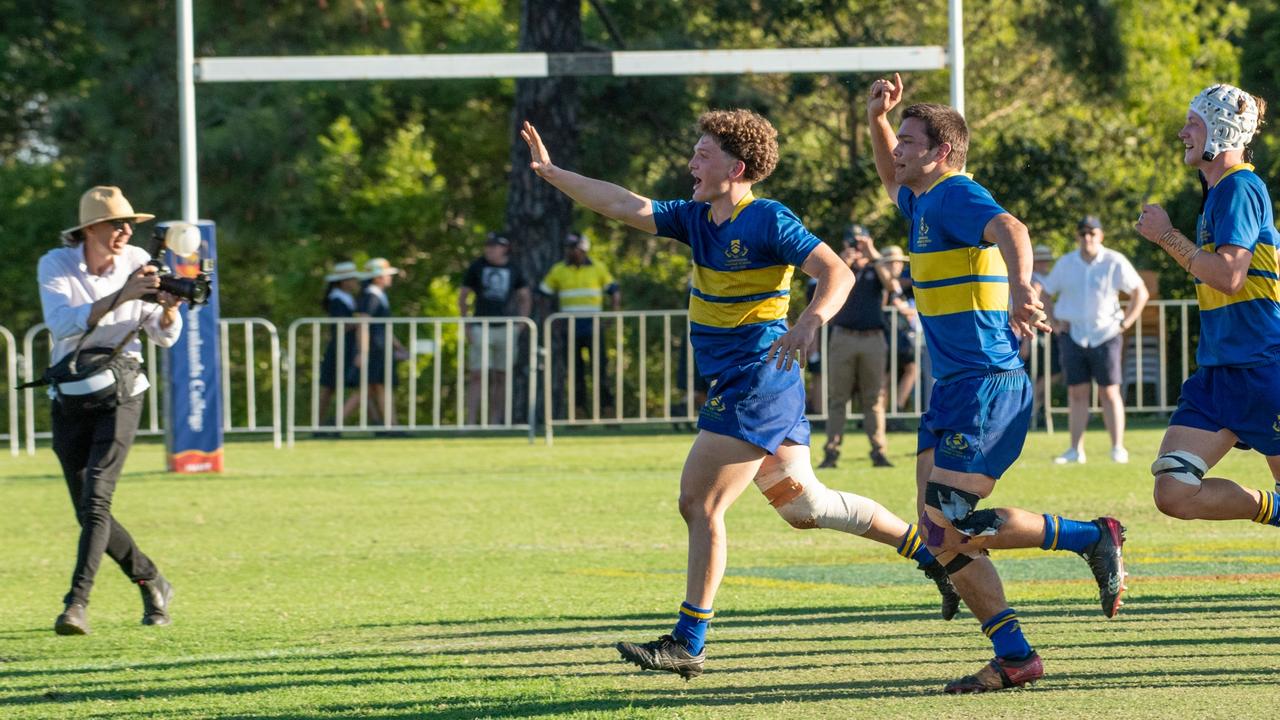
493	285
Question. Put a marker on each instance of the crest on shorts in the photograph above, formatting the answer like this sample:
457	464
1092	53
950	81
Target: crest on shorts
956	441
713	408
1275	424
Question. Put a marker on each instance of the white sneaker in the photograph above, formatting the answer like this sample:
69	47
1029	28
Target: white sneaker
1119	455
1070	456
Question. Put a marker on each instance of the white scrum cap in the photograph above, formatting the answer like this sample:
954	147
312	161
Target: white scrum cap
1231	116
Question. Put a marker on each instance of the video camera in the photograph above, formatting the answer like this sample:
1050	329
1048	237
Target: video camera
194	289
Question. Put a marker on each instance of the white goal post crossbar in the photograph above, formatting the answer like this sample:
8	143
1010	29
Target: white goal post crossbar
542	65
537	65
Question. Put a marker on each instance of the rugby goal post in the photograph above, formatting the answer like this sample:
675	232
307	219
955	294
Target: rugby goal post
537	65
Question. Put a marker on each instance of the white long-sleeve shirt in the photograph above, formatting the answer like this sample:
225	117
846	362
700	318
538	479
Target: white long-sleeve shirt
68	291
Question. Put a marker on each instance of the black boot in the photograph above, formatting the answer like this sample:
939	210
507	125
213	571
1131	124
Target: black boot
72	621
156	595
829	459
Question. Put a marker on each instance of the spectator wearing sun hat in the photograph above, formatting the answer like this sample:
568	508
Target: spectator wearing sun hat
379	275
96	293
342	287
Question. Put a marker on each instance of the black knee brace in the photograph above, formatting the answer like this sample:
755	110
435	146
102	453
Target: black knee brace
958	507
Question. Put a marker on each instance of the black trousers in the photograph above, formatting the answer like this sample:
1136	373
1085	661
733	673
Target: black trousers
92	450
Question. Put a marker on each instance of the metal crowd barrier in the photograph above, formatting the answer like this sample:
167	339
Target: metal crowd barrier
36	355
636	348
638	369
251	369
1137	352
11	380
630	371
436	349
627	372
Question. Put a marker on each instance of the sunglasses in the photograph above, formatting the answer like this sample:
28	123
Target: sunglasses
120	225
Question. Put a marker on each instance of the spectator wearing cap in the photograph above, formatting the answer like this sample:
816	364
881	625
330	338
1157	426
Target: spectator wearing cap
342	288
579	285
494	284
1082	294
858	351
379	274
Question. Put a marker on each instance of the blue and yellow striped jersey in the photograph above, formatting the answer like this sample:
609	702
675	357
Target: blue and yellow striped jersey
960	281
741	276
1240	330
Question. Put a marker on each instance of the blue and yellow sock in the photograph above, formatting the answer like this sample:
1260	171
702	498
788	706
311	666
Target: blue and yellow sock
1268	509
1073	535
1006	635
691	627
912	547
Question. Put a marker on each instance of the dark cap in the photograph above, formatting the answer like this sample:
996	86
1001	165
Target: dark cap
1089	222
579	241
494	238
853	231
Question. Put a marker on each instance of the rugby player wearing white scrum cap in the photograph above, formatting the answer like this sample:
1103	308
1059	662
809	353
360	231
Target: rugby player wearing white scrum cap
1233	398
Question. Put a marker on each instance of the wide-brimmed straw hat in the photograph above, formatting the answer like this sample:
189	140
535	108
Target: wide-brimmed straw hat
892	253
377	267
103	203
345	270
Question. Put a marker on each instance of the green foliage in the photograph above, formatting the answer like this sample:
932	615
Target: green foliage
1074	109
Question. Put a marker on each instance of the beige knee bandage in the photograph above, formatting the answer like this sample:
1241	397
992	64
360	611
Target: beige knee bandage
804	502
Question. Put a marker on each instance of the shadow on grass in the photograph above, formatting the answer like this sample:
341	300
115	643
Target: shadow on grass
438	658
690	695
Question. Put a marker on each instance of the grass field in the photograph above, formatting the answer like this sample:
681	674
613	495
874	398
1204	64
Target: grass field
476	578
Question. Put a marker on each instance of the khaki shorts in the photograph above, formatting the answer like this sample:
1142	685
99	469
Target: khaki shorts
497	346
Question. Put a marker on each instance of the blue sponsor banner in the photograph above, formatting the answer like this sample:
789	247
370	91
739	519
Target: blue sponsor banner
194	427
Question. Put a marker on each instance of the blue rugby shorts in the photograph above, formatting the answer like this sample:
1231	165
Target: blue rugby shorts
757	403
977	424
1244	400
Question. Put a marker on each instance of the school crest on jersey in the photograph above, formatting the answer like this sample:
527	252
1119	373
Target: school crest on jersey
736	254
922	237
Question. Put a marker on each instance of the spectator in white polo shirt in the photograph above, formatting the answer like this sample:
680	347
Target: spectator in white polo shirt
1084	286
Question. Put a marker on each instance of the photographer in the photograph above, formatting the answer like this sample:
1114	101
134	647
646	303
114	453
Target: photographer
92	295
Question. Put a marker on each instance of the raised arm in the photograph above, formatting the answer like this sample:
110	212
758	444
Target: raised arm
1026	312
605	198
834	283
885	95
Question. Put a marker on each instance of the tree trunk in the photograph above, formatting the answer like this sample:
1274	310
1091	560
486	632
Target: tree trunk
538	215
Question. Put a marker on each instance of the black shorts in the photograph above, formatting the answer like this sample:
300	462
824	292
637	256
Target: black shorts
1100	363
